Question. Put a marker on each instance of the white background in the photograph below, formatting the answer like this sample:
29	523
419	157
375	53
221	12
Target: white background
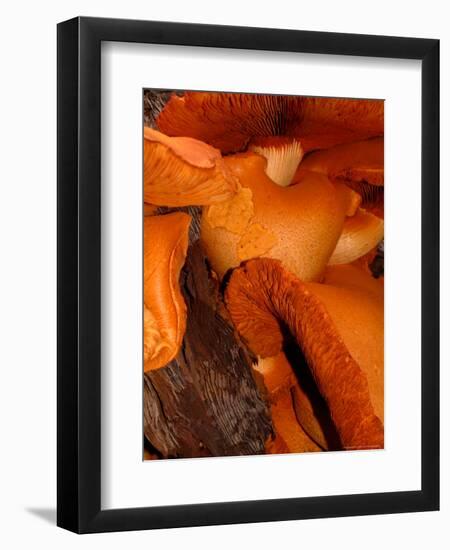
126	480
28	275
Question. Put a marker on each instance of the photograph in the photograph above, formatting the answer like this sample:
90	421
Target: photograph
263	274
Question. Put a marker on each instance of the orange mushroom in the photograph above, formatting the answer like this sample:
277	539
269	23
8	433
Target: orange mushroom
184	171
165	248
330	121
252	210
150	209
299	225
360	235
231	121
298	386
289	434
354	301
339	329
360	166
279	381
310	410
360	161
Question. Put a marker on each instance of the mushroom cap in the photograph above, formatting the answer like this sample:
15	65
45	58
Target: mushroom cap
165	248
361	161
330	121
360	165
230	121
299	225
354	301
361	234
183	171
264	299
353	277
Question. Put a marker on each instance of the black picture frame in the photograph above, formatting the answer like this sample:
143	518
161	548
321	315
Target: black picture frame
79	281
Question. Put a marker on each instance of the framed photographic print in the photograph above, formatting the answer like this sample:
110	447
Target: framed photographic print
248	288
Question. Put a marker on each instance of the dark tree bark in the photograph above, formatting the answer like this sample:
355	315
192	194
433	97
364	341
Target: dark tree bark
205	402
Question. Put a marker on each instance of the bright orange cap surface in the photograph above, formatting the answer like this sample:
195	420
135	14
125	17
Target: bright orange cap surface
165	247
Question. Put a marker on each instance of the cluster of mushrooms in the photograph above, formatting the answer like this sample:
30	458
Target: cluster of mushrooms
291	197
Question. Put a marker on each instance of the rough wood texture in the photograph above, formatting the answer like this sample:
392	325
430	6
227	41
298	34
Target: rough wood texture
205	402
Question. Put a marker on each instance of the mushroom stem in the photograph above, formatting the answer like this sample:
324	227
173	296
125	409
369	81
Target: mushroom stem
283	156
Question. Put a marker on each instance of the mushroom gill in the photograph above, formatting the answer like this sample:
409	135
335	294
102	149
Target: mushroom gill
183	171
327	122
231	121
228	121
165	248
339	330
299	224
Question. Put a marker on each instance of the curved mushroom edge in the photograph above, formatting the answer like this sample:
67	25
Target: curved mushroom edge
229	121
264	300
164	306
361	233
184	172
